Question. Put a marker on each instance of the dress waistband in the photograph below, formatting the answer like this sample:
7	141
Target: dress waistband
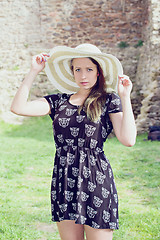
77	148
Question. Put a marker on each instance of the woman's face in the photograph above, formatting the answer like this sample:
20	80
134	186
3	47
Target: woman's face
85	73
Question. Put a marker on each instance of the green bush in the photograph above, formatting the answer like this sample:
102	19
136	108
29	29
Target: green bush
123	44
139	44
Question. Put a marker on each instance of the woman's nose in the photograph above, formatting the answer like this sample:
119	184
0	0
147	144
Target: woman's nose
83	75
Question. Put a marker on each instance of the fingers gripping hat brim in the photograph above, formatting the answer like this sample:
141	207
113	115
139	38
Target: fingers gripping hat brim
58	68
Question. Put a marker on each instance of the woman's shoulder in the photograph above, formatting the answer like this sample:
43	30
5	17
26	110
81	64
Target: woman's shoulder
112	95
57	99
113	102
58	96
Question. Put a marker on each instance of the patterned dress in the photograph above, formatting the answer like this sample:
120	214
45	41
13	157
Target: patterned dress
83	187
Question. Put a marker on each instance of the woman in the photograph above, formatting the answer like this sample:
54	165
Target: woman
83	191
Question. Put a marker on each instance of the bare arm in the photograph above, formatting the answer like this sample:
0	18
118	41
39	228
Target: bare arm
20	104
124	123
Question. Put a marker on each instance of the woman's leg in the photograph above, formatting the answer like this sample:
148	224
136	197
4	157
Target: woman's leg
98	234
68	230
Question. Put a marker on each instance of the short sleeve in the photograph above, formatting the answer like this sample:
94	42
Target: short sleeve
55	100
114	103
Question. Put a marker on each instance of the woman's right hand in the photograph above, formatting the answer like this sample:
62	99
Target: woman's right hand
38	62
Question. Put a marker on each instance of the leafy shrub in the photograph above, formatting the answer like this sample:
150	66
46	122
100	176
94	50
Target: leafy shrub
139	44
123	44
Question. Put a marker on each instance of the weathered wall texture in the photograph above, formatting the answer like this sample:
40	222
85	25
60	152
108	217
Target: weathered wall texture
103	23
29	27
148	72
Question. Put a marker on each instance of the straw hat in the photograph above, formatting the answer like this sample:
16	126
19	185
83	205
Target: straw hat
58	66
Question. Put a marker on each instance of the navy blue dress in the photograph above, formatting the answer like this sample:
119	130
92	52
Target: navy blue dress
83	187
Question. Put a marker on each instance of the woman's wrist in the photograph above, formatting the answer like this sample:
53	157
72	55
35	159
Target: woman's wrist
34	72
126	97
30	77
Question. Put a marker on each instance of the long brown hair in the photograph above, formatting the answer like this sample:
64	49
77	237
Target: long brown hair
97	96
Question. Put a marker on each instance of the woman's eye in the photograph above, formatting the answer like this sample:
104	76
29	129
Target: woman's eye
77	70
90	69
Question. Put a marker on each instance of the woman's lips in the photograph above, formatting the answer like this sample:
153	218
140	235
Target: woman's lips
84	83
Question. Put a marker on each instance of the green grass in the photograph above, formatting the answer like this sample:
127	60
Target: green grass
26	161
136	172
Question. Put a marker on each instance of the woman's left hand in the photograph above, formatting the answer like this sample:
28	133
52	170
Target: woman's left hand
124	86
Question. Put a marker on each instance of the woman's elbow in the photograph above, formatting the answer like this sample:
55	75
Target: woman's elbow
127	141
15	110
12	109
130	142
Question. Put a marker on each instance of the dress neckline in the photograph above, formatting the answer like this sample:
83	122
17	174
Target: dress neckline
71	103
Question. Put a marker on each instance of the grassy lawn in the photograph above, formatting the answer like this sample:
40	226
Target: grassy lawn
26	162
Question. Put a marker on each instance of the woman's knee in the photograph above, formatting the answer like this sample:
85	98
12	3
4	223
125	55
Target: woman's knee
98	234
68	230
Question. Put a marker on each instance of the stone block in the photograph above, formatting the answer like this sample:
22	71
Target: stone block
67	28
96	23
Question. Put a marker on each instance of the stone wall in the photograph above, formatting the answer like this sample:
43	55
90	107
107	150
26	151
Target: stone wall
148	72
20	27
29	27
103	23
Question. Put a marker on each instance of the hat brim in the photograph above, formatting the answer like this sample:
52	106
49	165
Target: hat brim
58	68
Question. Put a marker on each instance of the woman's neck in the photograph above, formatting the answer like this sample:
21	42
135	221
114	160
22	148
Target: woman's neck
79	97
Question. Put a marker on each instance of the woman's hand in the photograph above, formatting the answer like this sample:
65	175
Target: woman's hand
124	86
38	62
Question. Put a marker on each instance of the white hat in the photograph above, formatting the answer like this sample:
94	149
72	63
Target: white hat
58	66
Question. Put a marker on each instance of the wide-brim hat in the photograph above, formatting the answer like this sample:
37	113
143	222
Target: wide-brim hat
58	66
